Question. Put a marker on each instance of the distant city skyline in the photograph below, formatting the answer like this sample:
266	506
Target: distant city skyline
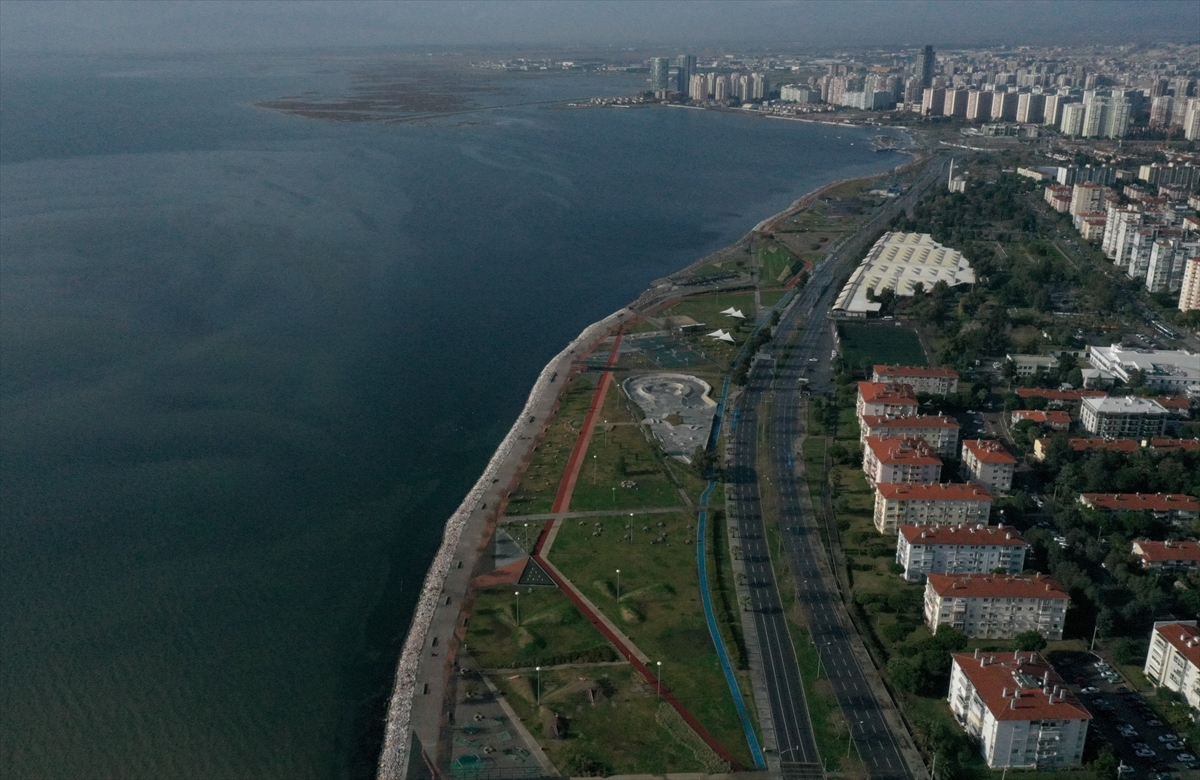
59	26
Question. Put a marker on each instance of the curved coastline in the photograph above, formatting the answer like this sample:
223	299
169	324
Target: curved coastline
394	753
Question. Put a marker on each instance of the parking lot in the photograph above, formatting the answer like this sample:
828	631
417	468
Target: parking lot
1124	719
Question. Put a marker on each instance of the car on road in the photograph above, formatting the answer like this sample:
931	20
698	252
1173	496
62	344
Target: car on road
1186	758
1168	738
1175	746
1090	690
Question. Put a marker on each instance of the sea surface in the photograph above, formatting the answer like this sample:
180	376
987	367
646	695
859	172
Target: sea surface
251	362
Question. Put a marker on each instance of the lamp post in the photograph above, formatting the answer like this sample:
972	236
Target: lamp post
527	537
614	490
593	469
618	586
539	685
850	736
658	679
517	593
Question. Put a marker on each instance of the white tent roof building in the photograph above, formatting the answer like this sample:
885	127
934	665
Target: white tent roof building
901	261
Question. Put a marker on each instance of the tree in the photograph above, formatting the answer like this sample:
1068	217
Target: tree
1105	765
905	674
1029	641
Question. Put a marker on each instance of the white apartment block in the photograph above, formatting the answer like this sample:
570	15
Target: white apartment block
987	463
1028	365
929	504
1189	293
939	431
1126	417
1019	709
935	381
885	400
1169	258
1087	198
1171	370
996	606
959	549
900	460
1174	658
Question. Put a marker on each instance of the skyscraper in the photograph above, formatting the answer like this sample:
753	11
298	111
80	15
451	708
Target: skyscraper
927	68
660	72
687	68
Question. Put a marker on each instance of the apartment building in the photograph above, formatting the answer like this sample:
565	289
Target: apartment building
935	381
1019	709
1123	418
959	549
994	606
986	462
1059	399
1059	198
926	504
902	459
939	431
1173	661
1087	198
1173	507
885	400
1189	293
1181	555
1054	419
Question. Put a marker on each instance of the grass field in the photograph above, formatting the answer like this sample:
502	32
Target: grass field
552	630
535	493
775	263
659	607
864	345
771	297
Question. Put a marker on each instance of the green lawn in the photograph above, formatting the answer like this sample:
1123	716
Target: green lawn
864	345
659	609
775	263
539	484
771	297
707	308
552	630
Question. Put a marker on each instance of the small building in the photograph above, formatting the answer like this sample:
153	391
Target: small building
885	400
996	606
986	462
1125	446
935	381
959	549
903	459
1174	659
1059	399
1124	417
925	504
1172	371
1019	709
1054	419
1163	444
1059	198
1174	507
940	431
1028	365
1167	556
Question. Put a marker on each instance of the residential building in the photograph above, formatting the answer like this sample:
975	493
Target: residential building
1004	106
1169	258
986	462
1028	365
1054	419
1174	507
996	606
660	73
1059	399
1167	556
900	460
959	549
927	65
979	105
939	431
933	102
1019	709
1172	370
935	381
1173	661
1118	228
926	504
1072	119
1029	107
1126	446
885	400
1189	293
1059	198
1087	198
1126	417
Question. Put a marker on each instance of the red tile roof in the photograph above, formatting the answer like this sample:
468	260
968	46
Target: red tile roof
1059	395
1108	445
1050	417
1141	502
1173	402
969	586
910	450
887	393
1158	552
936	491
922	421
901	371
963	535
1184	638
988	451
999	677
1175	444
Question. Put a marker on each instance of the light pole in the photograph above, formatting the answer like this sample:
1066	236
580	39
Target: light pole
539	685
517	593
658	679
527	537
850	736
614	490
618	586
593	469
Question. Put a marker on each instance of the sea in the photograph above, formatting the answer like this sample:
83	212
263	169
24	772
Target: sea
250	362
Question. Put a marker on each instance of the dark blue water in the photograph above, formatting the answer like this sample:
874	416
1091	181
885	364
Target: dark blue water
249	363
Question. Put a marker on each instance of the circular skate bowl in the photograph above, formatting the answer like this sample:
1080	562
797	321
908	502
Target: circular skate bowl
662	395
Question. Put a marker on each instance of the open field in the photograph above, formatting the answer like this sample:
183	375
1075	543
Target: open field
659	607
774	262
551	630
771	297
864	345
540	482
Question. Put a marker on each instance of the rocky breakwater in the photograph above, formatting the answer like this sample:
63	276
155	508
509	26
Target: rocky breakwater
463	538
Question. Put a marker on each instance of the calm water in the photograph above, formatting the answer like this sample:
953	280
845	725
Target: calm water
251	362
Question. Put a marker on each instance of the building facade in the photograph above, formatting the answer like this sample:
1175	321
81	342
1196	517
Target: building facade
929	504
1173	507
902	459
885	400
986	462
1181	555
935	381
1173	661
959	549
996	606
939	431
1126	417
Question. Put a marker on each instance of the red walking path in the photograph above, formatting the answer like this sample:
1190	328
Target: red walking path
562	501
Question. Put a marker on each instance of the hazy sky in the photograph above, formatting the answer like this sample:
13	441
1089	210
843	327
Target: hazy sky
174	25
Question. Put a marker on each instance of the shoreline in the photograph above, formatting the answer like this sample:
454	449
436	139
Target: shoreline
394	755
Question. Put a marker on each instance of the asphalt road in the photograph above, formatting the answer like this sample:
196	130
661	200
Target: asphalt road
804	326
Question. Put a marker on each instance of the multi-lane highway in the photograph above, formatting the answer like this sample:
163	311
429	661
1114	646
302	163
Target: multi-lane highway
804	327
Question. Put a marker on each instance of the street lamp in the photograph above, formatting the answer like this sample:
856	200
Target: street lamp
527	537
658	678
850	736
539	685
593	469
618	586
517	593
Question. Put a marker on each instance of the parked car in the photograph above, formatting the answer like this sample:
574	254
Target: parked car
1144	753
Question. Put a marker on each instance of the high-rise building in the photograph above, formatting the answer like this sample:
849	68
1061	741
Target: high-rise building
1004	106
979	105
660	72
927	63
1191	121
1029	107
687	68
956	102
720	89
1160	111
698	87
933	103
759	86
1189	293
1072	118
1105	117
